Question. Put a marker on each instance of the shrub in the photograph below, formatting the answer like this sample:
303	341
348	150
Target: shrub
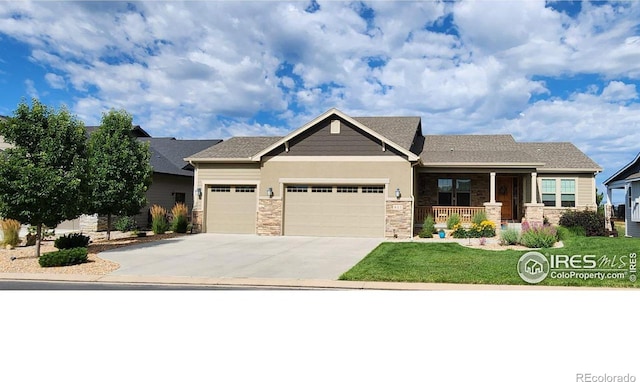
591	221
485	229
428	227
459	232
509	236
179	223
159	222
125	224
538	236
479	217
576	231
10	232
63	257
73	240
562	233
453	220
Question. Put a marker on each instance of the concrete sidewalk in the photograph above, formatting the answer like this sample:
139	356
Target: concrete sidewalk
289	283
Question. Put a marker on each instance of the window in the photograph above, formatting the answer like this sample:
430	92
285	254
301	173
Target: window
297	188
372	189
549	192
463	192
220	188
567	192
180	197
321	189
245	188
445	192
347	189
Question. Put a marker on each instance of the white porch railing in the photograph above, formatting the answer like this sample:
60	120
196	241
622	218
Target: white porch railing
442	213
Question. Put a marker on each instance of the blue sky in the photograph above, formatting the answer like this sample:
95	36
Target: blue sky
541	71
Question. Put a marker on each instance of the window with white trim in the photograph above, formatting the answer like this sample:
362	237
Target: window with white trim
245	188
220	188
568	192
347	189
322	189
548	192
297	188
372	189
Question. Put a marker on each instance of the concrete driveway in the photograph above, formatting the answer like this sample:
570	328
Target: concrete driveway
236	256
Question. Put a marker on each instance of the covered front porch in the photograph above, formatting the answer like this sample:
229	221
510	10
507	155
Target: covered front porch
505	196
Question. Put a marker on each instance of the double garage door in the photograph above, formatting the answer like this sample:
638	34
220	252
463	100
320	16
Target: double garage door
318	210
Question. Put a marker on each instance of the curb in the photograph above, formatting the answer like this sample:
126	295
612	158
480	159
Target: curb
285	283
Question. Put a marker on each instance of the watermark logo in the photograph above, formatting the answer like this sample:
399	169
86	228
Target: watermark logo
533	267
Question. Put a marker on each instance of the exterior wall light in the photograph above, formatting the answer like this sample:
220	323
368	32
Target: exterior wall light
270	192
199	193
398	194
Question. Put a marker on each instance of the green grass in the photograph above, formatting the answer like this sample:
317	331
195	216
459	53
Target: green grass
453	263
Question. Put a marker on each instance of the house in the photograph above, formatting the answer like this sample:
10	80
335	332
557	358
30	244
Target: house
533	267
172	179
379	177
627	179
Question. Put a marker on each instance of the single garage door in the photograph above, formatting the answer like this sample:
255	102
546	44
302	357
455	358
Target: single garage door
331	210
231	209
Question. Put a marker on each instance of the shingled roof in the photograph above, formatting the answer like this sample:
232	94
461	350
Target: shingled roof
242	148
503	150
137	131
400	130
167	154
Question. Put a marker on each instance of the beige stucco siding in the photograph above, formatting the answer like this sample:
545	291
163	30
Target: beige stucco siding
397	172
223	173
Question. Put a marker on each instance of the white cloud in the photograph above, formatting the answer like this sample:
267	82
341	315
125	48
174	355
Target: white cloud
55	81
30	89
619	91
204	69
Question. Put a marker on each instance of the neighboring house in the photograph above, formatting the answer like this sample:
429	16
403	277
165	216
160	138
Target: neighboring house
172	179
379	177
3	145
627	179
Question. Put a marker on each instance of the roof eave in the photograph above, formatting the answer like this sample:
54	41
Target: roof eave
482	164
612	177
220	160
569	170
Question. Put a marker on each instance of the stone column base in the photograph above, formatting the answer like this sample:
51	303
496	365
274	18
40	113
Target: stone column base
196	221
534	212
494	213
269	217
399	223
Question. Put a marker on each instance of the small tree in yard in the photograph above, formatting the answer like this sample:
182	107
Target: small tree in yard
43	177
120	168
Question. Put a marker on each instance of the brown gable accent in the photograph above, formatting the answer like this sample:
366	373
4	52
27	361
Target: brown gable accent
319	141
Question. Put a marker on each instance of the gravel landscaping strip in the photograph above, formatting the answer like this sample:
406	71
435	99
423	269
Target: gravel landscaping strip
25	261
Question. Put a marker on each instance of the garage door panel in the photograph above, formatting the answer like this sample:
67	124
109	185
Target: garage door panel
334	213
231	209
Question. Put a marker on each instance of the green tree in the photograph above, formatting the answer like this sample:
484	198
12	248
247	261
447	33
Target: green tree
43	177
120	168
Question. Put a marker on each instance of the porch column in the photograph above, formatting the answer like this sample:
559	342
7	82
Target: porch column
608	212
492	181
534	187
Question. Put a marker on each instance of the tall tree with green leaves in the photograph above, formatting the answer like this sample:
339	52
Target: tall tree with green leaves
43	177
120	168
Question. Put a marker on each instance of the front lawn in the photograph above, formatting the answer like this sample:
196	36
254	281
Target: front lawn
453	263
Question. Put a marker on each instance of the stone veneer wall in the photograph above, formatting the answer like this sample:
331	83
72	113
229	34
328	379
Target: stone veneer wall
196	221
269	217
534	212
398	219
93	223
494	212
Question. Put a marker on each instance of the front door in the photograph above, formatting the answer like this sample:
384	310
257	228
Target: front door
504	194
